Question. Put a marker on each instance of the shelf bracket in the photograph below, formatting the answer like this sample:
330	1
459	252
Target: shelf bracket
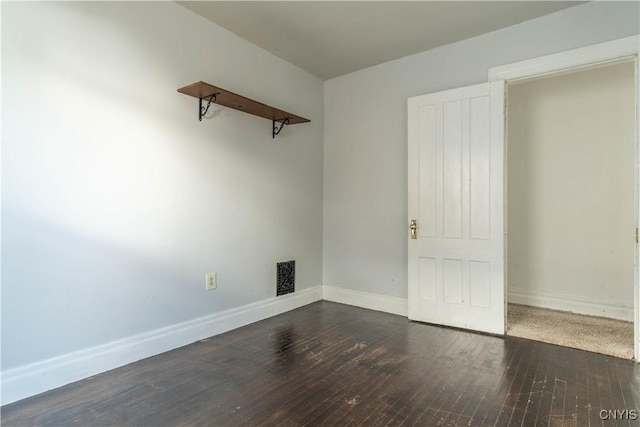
276	129
202	111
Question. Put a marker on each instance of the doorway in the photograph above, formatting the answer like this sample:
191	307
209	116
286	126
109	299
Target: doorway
570	208
457	178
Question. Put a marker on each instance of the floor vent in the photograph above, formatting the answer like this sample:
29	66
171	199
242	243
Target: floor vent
286	277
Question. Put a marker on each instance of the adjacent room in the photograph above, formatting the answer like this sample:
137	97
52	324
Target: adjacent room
571	209
214	213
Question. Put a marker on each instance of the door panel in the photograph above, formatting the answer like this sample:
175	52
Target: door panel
456	169
428	279
428	183
452	280
479	169
452	148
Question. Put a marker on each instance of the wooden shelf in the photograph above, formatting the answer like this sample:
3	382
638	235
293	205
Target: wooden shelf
207	93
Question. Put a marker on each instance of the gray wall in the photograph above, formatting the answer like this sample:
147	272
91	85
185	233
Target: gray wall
365	149
116	201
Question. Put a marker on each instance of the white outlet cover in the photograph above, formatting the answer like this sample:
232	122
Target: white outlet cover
211	282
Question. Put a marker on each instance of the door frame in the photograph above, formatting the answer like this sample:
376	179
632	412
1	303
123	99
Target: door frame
627	48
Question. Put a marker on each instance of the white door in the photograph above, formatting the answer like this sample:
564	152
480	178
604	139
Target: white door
456	197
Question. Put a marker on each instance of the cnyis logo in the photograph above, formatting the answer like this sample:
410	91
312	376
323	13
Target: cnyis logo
619	414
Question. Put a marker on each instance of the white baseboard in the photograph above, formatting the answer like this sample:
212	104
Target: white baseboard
29	380
378	302
581	305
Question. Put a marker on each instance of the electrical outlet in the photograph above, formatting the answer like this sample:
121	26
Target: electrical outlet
212	282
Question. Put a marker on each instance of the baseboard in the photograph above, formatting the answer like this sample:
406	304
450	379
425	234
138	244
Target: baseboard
35	378
378	302
581	305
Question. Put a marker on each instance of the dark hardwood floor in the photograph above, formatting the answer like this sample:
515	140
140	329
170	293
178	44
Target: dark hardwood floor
335	365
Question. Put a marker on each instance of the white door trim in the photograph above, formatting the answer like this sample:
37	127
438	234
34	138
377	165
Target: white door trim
563	61
602	53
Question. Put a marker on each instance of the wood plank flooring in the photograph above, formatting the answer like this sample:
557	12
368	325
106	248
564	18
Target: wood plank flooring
329	364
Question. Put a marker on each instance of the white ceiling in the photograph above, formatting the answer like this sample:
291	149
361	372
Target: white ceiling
331	38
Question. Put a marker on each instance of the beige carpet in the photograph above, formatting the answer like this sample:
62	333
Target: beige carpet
596	334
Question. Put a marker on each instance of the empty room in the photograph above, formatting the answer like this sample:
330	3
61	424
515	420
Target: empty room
319	213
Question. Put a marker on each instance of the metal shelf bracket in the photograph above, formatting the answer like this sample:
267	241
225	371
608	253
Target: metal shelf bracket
276	129
202	110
